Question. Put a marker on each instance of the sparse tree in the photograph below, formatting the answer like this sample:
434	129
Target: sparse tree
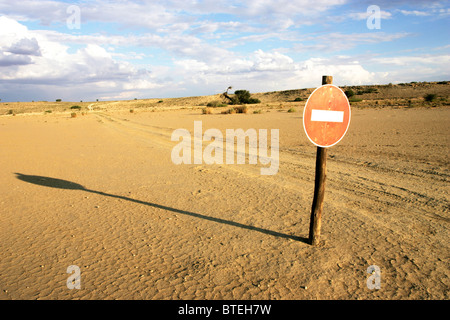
244	97
225	94
240	97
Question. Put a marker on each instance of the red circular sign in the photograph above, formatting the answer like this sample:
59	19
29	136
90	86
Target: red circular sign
326	116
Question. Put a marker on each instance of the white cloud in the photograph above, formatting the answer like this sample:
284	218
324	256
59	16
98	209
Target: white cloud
17	47
443	13
198	67
336	41
149	14
263	71
437	60
25	47
264	61
30	57
365	15
8	60
258	61
287	8
414	13
203	46
176	16
344	70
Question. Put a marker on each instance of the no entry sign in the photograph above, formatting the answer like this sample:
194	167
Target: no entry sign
326	116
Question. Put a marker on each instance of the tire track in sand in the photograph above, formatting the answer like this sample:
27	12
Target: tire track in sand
368	188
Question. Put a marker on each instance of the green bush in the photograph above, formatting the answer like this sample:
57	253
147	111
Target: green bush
291	110
349	93
253	101
430	97
243	97
75	107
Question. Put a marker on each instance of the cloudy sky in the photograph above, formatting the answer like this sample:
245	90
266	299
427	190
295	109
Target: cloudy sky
123	49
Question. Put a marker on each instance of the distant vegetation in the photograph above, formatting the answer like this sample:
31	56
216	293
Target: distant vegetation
240	97
430	97
243	97
216	104
233	110
349	93
367	90
400	95
206	111
355	99
242	109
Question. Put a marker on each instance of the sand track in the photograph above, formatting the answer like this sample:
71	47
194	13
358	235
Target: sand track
141	227
369	183
372	186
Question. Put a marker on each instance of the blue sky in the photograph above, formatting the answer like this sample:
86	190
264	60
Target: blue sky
123	49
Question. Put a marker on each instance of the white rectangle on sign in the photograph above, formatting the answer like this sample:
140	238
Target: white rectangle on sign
327	115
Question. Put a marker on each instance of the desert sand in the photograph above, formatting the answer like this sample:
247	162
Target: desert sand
100	191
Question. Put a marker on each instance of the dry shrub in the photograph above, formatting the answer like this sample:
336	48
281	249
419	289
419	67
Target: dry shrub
206	111
241	109
229	111
73	115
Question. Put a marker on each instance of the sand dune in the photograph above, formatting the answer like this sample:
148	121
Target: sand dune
100	191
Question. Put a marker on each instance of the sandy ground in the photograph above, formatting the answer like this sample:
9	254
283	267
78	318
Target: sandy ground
100	191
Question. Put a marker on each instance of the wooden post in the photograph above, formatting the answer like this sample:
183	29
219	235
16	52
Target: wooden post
319	187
